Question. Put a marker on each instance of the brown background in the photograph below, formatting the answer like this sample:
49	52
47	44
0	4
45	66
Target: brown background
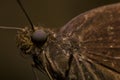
50	13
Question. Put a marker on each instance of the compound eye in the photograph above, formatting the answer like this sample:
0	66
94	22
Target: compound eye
39	37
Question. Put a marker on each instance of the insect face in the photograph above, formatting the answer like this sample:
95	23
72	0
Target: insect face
27	39
86	48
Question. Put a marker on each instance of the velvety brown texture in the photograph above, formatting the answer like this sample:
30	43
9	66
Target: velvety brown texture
48	13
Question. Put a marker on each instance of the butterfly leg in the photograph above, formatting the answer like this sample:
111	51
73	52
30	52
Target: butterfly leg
69	67
34	72
45	67
76	58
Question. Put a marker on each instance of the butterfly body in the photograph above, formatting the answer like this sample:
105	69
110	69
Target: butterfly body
86	48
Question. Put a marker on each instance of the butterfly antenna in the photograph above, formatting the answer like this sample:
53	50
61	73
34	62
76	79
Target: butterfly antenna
15	28
21	6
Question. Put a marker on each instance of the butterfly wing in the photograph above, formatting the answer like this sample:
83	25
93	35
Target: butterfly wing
96	34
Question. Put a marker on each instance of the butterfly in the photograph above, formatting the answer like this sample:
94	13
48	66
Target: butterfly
86	48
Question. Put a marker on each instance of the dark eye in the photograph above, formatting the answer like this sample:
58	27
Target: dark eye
39	37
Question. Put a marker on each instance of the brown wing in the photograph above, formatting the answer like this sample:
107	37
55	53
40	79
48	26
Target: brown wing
98	34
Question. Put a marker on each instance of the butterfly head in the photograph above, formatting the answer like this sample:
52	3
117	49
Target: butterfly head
28	40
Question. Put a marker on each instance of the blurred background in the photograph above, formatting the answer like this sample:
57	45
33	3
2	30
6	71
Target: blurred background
49	13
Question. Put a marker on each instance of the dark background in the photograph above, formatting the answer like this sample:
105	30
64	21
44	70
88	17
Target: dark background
50	13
